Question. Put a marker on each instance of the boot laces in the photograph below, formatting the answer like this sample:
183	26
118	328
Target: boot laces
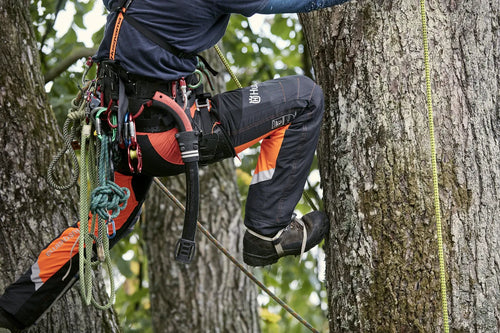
296	223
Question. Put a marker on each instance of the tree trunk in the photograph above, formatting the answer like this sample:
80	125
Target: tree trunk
32	214
210	294
382	263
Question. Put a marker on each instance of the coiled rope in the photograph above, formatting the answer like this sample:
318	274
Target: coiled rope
437	207
75	114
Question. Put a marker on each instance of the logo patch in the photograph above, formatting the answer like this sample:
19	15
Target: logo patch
283	120
254	97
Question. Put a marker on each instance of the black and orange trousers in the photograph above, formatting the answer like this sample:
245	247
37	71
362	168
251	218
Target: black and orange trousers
284	114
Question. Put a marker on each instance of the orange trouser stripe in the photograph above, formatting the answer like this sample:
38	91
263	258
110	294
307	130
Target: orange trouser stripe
65	247
269	150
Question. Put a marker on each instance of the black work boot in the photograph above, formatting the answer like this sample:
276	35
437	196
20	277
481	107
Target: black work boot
296	238
7	323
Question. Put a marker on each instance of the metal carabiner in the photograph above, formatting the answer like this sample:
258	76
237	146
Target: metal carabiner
134	150
98	123
113	228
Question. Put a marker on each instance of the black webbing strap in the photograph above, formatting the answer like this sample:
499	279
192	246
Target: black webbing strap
123	6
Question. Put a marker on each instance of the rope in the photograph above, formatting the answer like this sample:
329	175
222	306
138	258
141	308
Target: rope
109	199
105	203
235	261
228	66
75	113
86	238
442	270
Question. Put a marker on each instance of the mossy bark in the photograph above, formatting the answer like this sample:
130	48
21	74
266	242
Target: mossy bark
382	264
32	213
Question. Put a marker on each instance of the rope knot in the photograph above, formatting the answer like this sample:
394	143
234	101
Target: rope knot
108	200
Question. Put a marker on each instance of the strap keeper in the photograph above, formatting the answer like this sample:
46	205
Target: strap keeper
188	145
184	250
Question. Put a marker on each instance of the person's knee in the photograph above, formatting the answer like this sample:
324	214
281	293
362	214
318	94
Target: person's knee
314	91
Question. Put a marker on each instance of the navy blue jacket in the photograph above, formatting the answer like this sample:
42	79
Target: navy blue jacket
189	25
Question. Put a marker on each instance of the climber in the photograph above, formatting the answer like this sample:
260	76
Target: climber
150	51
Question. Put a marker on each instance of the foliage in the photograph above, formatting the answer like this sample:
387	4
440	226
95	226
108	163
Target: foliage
54	46
276	49
132	298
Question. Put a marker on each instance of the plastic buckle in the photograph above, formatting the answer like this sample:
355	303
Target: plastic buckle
184	250
199	105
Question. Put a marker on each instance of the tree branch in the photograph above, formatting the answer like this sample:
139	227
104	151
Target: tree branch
76	54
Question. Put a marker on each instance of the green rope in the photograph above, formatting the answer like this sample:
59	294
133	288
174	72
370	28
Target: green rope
109	199
75	114
442	270
105	203
86	238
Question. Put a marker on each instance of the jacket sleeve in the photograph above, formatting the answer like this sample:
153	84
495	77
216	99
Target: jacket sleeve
244	7
297	6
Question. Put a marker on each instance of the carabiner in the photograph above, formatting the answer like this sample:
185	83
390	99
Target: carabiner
113	228
98	124
198	73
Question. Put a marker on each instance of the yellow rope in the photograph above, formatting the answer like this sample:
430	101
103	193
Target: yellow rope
227	65
442	270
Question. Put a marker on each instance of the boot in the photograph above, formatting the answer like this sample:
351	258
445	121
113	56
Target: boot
7	323
296	238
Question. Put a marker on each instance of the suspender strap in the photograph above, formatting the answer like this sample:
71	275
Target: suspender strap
116	32
121	8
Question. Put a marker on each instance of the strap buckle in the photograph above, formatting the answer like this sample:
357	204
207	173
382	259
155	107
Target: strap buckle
184	250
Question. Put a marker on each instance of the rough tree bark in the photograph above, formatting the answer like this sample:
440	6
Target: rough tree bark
32	213
210	294
375	163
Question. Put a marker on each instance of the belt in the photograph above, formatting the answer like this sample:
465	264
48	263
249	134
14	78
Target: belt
140	86
139	90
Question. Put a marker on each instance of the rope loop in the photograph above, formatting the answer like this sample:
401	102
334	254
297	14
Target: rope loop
71	130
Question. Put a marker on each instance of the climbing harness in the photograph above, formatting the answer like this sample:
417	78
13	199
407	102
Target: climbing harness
437	207
213	142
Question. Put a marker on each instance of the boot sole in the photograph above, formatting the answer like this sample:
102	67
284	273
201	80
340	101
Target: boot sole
257	261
